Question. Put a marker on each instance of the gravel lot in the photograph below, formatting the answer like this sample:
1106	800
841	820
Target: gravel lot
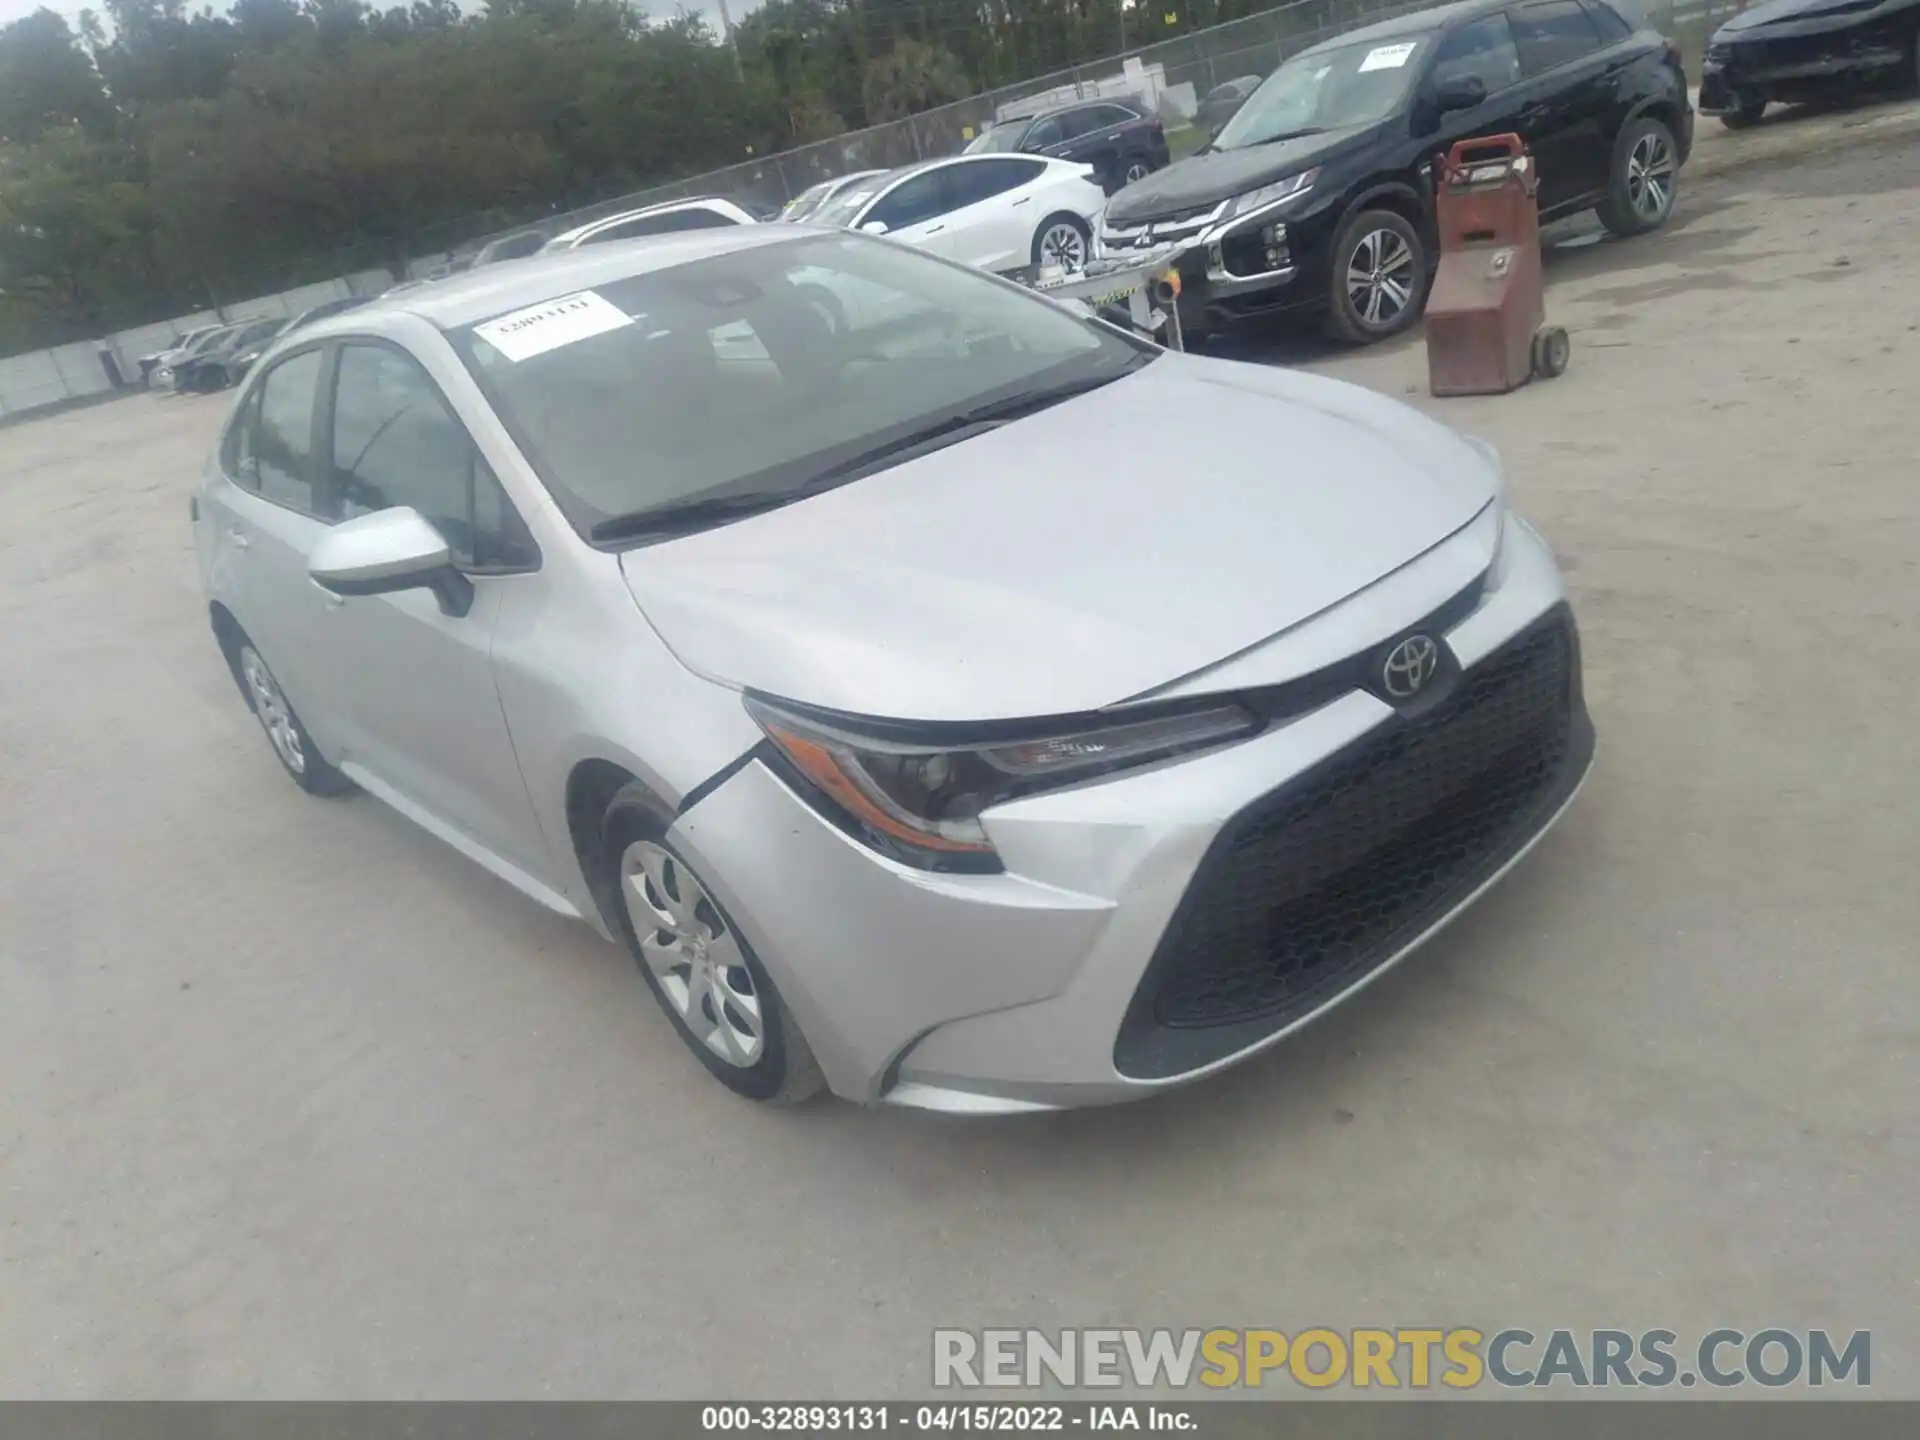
294	1102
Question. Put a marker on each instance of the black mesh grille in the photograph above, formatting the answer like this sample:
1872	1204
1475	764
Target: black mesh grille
1333	874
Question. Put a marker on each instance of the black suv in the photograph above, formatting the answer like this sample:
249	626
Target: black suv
1123	144
1317	196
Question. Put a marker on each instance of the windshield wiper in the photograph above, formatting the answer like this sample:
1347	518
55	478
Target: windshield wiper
695	514
1283	135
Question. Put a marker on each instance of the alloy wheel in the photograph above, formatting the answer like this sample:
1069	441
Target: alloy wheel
692	954
1065	246
276	716
1380	278
1137	171
1650	176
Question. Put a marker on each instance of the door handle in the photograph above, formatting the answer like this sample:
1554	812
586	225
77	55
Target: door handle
1021	201
1114	136
238	537
935	229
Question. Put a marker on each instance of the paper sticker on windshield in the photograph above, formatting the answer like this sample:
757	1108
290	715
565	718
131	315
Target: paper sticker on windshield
1388	57
548	326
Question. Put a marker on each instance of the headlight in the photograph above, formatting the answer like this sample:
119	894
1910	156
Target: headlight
921	803
1267	194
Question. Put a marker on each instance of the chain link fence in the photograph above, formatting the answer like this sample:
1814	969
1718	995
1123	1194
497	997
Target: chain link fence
1171	77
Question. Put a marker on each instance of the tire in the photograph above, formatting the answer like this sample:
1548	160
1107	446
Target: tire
1052	232
1137	169
1744	115
292	746
717	980
1644	178
1378	283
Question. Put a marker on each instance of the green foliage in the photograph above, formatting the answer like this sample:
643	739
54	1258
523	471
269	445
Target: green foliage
164	159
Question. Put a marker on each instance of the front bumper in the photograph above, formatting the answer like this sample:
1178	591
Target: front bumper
1793	67
1152	928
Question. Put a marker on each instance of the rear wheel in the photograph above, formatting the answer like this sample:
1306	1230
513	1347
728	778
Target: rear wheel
292	746
1379	281
1640	190
1745	113
1137	170
1063	240
701	969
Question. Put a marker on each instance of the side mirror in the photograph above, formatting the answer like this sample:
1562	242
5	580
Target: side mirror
389	551
875	227
1462	92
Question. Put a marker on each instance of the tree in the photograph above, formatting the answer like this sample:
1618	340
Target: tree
46	82
913	77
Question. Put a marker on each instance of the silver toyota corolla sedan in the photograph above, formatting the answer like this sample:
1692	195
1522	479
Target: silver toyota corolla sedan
946	697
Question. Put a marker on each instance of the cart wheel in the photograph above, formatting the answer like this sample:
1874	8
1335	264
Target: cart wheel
1550	351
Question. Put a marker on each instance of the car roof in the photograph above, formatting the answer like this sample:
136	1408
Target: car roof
475	295
1419	22
664	207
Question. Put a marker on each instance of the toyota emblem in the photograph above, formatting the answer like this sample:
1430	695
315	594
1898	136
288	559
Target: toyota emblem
1410	664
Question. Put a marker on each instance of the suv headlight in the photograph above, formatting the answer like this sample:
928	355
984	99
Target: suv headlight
1268	194
921	803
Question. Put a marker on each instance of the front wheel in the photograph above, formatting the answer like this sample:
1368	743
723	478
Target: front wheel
1640	189
1064	240
1379	282
1744	114
700	968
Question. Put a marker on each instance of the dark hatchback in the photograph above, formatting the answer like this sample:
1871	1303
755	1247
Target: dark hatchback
1316	198
1799	50
1121	142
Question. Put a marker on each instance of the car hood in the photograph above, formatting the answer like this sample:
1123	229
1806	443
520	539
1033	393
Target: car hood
1202	181
1073	559
1774	12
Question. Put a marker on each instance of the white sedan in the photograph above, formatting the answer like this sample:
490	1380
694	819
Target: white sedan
997	212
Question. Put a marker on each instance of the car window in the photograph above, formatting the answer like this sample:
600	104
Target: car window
914	201
273	449
979	180
1551	33
672	222
1483	50
395	442
1613	26
765	368
1108	116
1050	131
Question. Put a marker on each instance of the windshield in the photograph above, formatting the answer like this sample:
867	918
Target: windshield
1002	136
841	209
760	371
1357	84
256	332
807	200
208	340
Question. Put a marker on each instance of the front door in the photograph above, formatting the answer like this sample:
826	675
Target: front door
917	210
1483	51
419	708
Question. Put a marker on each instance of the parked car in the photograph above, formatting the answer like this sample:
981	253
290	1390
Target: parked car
228	359
998	212
338	306
965	710
668	219
1223	102
161	364
1123	143
814	196
1317	197
517	246
1799	50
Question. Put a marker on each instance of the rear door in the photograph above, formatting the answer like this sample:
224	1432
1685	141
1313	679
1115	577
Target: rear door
994	217
1095	136
1564	117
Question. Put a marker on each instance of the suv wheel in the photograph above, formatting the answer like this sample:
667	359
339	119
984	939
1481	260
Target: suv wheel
1137	170
292	746
1640	190
701	969
1743	114
1379	282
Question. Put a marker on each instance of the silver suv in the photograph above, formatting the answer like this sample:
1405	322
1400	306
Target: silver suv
944	695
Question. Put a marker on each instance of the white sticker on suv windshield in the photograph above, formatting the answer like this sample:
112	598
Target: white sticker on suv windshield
548	326
1388	57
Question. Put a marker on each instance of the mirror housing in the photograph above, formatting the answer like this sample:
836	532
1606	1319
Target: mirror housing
875	227
1462	92
386	552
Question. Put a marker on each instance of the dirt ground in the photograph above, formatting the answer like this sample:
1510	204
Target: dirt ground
295	1102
